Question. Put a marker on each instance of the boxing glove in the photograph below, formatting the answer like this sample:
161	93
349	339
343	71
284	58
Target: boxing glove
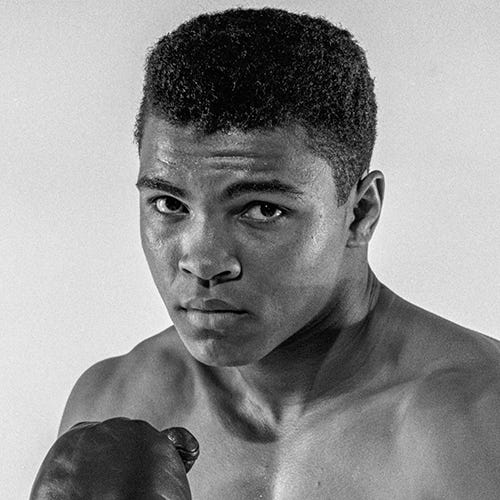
117	459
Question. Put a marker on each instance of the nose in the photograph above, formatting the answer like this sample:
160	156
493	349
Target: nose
206	253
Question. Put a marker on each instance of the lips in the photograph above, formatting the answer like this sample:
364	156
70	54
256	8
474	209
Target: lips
212	314
210	305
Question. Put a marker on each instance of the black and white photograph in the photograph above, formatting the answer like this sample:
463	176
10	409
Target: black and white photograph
250	250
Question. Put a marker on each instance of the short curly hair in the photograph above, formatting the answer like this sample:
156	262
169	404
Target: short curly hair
265	68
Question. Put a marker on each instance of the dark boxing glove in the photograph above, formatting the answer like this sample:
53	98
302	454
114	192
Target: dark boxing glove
118	459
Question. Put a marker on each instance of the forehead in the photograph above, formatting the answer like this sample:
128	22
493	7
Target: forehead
183	150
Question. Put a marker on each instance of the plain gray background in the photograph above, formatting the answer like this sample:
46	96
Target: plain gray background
74	284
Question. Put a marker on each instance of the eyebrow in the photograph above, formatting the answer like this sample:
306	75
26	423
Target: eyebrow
232	191
160	185
271	186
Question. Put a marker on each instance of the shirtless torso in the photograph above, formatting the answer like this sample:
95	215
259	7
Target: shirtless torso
420	420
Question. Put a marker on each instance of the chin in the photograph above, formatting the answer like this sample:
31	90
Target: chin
222	359
212	353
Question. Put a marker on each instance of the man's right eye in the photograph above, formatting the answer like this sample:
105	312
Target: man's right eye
168	205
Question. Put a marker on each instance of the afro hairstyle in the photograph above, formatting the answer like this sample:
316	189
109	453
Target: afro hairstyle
265	68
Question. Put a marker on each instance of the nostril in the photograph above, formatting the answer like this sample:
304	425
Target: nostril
185	269
223	269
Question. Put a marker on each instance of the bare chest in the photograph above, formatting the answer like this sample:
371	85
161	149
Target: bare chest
325	456
350	453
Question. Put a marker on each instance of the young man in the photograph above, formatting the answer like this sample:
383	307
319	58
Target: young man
299	373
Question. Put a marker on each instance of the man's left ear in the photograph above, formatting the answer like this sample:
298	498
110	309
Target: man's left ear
366	209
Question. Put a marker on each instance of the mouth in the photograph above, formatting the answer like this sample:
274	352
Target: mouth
213	319
208	313
205	304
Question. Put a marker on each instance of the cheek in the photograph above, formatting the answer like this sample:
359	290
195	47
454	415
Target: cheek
152	241
308	254
159	250
308	278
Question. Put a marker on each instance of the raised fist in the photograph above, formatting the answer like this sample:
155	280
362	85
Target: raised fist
118	459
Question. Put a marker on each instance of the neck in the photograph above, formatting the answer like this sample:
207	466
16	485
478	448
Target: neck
320	358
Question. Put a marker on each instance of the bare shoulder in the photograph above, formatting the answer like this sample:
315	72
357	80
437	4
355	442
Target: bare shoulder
450	433
450	423
428	342
449	415
152	382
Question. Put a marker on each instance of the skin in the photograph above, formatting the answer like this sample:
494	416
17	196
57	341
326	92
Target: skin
324	383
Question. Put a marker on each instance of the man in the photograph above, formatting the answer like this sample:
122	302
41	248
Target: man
299	373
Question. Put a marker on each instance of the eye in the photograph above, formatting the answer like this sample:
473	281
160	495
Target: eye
264	212
169	205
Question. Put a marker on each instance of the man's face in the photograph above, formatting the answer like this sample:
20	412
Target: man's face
243	237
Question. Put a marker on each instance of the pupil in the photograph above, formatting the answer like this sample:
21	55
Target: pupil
267	210
172	204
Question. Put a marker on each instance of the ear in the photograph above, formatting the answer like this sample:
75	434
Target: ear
366	209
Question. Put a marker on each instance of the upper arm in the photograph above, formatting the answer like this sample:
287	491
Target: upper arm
82	404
